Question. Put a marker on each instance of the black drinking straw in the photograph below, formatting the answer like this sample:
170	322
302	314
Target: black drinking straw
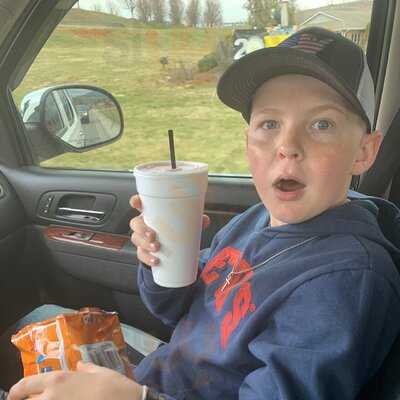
172	148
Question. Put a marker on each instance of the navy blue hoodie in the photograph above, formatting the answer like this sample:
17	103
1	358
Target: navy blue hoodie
314	322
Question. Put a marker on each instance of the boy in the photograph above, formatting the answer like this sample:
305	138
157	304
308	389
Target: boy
297	302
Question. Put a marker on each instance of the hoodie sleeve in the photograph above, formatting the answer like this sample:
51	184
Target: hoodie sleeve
170	305
325	340
167	304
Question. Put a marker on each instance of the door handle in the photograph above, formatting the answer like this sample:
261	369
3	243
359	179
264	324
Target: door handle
80	215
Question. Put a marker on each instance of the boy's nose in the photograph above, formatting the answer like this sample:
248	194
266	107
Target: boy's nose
290	152
289	146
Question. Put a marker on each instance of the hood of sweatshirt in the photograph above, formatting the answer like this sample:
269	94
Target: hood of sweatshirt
369	217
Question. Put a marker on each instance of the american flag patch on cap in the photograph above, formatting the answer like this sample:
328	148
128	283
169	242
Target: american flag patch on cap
306	42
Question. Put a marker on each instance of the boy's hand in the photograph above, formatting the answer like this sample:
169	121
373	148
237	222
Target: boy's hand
88	382
144	238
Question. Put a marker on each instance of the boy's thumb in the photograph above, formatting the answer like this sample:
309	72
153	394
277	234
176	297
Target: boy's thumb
87	367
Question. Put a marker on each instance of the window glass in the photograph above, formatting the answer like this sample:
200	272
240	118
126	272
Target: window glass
162	67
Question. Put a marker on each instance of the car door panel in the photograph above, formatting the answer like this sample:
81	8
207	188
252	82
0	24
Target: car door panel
12	247
12	214
113	267
94	263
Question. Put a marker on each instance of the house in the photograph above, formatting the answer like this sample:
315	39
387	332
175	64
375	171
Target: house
350	19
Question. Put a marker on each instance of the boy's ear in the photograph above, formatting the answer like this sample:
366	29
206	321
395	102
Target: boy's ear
369	147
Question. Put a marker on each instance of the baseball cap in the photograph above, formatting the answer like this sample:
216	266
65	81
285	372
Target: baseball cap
316	52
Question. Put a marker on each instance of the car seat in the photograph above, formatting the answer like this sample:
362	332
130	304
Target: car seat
385	385
376	180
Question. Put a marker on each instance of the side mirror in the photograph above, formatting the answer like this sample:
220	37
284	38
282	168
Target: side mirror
76	117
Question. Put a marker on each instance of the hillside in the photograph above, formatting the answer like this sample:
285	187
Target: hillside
81	17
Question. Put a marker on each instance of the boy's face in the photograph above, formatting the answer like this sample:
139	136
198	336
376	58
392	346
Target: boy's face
303	146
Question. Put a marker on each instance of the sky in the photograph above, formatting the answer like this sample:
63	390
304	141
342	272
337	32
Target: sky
233	10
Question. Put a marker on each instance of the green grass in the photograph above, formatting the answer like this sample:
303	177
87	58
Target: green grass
125	61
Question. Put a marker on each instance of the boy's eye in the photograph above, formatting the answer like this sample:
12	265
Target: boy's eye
271	124
322	125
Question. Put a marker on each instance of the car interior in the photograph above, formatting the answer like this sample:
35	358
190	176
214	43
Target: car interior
64	233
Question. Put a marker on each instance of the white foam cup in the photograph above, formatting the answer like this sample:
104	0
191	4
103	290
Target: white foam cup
173	205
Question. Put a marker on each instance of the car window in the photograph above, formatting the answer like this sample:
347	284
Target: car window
162	67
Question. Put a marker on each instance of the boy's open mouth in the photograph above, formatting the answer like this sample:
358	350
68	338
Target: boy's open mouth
288	185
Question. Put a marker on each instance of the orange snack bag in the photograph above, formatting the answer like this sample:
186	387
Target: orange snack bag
90	335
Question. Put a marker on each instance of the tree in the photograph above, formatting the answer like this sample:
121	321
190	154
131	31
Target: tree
158	10
176	8
112	8
213	13
143	9
193	13
130	5
261	12
292	12
97	7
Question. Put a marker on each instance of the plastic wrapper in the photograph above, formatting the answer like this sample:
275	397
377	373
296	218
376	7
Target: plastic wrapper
59	343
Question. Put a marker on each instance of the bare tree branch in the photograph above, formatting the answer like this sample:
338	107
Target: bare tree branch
158	10
176	8
130	5
112	8
261	12
143	9
193	13
213	13
97	7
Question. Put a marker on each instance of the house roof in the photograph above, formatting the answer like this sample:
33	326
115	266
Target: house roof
351	15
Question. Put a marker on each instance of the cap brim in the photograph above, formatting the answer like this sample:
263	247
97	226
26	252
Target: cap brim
238	84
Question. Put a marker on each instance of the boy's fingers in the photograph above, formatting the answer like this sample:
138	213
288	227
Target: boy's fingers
137	225
146	257
206	221
135	202
140	241
29	386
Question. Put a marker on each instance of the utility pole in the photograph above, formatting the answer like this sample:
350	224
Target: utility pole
284	13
